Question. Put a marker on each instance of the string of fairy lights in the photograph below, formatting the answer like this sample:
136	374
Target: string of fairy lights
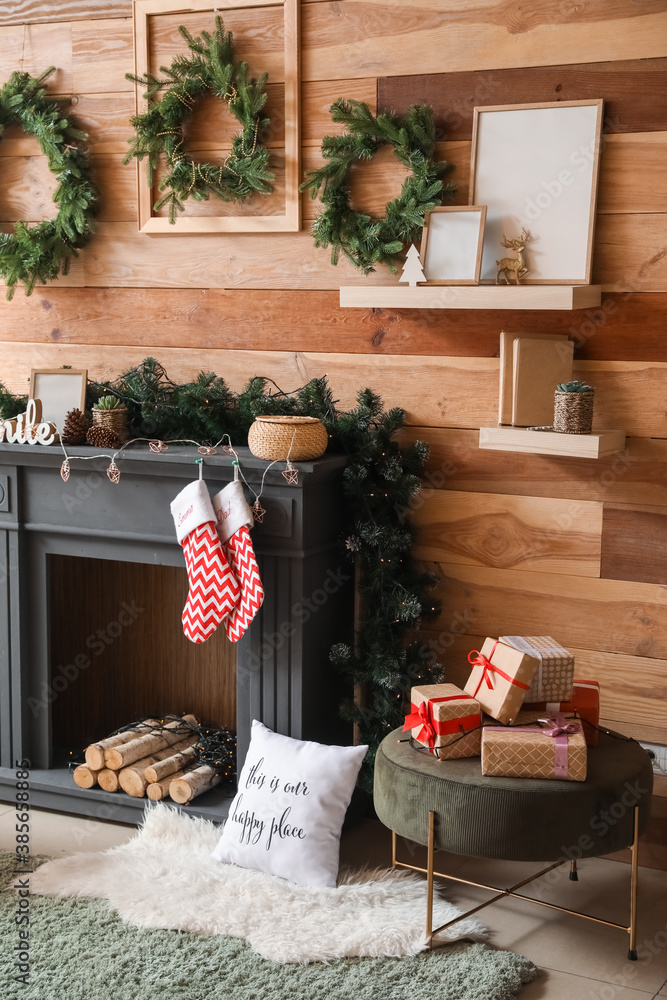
157	446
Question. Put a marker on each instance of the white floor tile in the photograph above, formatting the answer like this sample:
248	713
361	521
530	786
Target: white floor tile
568	944
58	834
561	985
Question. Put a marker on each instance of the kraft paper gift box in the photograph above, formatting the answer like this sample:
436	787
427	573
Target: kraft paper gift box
557	750
500	679
585	703
439	715
555	673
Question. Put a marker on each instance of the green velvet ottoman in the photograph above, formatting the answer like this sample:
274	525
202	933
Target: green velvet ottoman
450	805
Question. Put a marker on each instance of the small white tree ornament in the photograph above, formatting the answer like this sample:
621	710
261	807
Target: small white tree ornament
412	269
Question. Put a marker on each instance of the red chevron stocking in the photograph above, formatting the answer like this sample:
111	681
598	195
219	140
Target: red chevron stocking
214	591
234	517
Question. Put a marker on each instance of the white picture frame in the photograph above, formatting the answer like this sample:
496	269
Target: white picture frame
451	247
536	166
59	390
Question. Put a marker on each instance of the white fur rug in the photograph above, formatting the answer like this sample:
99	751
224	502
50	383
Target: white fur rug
164	877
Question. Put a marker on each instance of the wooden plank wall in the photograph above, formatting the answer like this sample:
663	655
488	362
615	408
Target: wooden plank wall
524	544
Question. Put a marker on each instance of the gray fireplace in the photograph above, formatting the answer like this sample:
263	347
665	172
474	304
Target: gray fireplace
64	544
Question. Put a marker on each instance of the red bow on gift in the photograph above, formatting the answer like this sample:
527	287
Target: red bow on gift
422	717
478	659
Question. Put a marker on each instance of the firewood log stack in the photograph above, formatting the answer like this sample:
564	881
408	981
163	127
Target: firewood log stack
147	762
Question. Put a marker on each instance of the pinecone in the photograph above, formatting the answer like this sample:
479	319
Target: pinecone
101	437
76	425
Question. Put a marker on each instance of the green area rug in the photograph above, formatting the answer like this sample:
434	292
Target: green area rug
80	950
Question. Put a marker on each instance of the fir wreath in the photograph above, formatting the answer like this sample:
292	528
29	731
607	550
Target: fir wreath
43	251
363	240
159	130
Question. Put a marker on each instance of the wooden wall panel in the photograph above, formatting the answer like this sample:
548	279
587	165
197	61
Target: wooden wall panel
35	47
435	392
607	615
354	38
509	532
628	327
629	254
634	544
102	54
456	463
632	92
628	251
34	11
633	689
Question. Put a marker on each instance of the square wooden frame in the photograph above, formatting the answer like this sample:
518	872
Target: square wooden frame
79	402
440	210
186	225
595	156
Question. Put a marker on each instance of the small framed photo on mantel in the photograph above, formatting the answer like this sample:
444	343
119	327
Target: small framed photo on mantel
59	390
451	249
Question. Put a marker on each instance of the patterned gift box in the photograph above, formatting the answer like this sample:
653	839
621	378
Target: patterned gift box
585	702
555	674
500	679
439	714
558	750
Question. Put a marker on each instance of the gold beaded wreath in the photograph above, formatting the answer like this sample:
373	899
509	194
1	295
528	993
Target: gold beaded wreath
159	130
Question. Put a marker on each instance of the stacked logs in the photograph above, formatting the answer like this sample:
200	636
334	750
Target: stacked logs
148	761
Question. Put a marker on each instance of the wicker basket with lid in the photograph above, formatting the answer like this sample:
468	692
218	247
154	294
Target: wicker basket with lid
279	437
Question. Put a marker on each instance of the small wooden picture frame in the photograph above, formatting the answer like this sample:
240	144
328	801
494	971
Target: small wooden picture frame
451	247
59	390
536	166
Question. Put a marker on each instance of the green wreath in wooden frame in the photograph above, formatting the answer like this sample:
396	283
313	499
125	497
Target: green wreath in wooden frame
159	130
43	251
363	240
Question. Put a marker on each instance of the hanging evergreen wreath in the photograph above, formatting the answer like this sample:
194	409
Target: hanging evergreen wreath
159	131
363	240
43	251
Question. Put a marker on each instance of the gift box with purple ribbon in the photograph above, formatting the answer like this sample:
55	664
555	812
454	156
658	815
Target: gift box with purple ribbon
446	720
554	749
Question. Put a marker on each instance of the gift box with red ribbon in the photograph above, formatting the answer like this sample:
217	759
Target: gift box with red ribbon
555	672
584	703
500	679
445	719
556	749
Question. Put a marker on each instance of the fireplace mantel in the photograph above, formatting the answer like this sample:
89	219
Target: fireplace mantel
285	683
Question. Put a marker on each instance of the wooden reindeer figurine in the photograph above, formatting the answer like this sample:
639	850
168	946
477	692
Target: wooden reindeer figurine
513	265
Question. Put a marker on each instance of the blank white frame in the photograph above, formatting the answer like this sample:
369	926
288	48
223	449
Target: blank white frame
451	249
59	390
536	166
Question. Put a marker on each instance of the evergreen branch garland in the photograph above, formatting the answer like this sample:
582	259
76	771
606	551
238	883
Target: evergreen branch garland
210	68
365	241
41	252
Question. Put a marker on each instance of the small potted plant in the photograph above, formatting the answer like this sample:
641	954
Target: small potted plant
573	408
109	412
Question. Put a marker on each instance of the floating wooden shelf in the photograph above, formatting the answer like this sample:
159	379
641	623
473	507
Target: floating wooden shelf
596	445
471	296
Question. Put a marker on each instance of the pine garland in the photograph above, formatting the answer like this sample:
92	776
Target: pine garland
365	241
42	252
159	130
380	482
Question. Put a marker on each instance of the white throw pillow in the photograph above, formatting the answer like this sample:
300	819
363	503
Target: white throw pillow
288	812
